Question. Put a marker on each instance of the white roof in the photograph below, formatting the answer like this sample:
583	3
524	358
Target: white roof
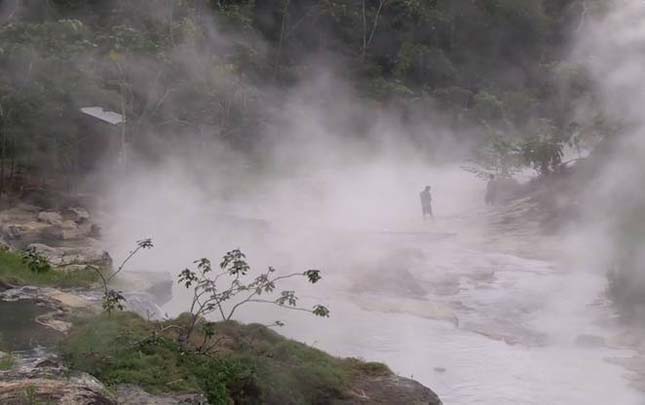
107	116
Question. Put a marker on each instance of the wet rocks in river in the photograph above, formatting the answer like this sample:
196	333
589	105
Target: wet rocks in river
142	304
76	214
391	390
156	285
590	341
48	382
24	325
391	275
50	217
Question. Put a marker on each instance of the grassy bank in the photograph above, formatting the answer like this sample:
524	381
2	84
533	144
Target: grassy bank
248	364
14	272
7	361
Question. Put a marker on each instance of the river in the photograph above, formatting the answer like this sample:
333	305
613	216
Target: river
479	314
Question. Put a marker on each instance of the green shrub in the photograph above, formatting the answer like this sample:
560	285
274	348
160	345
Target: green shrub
252	364
14	270
7	361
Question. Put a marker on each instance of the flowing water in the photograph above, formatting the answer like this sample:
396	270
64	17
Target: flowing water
19	329
515	341
478	326
479	314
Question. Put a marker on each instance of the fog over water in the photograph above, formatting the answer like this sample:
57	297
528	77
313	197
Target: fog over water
502	326
479	322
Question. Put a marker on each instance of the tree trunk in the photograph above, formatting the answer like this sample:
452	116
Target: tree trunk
364	47
123	151
12	172
283	29
3	158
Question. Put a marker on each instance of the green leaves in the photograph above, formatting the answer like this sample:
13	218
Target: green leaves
212	293
543	151
145	243
187	278
113	300
313	276
287	298
234	262
36	262
321	311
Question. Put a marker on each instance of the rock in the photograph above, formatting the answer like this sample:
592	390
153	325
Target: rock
33	313
26	224
506	331
158	285
4	286
95	231
590	341
54	324
50	384
19	213
142	304
134	395
49	363
24	233
5	247
50	310
416	307
66	256
67	230
66	299
76	214
391	275
390	390
49	217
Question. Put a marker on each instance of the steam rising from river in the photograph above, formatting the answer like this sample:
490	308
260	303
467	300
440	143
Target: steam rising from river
612	47
325	161
330	173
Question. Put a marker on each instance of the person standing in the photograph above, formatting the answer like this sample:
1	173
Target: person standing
426	202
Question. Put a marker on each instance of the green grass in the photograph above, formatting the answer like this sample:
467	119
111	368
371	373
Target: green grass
7	361
253	364
13	271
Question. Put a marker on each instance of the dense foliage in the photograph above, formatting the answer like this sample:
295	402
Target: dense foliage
194	70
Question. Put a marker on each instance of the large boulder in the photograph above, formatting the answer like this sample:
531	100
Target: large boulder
48	382
67	230
84	390
25	224
73	256
50	217
157	285
76	214
24	233
390	389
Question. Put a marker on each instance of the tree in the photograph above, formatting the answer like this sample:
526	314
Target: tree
543	150
113	299
498	156
210	297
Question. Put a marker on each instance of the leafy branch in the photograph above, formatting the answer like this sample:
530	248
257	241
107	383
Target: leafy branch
114	299
209	297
